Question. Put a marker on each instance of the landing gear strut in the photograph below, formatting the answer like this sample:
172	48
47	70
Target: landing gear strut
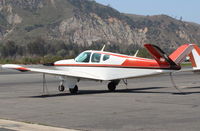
112	85
74	90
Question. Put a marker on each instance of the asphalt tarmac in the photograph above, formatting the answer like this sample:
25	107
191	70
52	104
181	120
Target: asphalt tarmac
150	103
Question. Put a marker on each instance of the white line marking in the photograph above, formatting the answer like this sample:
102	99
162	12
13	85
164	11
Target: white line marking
21	126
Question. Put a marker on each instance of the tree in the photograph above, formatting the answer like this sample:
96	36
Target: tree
38	47
62	53
9	49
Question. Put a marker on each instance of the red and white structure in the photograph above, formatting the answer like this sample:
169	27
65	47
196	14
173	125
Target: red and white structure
113	67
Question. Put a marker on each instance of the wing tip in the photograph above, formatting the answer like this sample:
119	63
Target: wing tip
16	67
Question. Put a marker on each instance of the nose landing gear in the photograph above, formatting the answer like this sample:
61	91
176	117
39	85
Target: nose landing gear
74	90
61	88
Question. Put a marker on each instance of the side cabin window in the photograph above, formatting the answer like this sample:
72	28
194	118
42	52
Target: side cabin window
96	57
83	57
106	57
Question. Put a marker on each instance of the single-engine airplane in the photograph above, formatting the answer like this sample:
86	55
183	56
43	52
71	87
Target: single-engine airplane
112	67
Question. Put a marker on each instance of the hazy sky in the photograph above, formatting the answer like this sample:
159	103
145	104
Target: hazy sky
189	10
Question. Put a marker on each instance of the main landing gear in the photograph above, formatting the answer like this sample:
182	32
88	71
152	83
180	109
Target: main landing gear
74	90
112	85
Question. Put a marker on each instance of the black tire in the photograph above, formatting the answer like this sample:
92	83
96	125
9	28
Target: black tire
61	88
74	90
111	86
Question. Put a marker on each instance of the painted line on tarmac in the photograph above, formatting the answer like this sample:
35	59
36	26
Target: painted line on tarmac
21	126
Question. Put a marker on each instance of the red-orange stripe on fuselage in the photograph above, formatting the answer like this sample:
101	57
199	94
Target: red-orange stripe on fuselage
149	63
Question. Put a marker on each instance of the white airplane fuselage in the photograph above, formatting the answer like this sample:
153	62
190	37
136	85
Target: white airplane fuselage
116	66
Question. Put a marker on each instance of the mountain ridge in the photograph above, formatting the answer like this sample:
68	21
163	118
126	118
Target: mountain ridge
85	22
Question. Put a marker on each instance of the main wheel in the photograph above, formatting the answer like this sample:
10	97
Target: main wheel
111	86
61	88
74	90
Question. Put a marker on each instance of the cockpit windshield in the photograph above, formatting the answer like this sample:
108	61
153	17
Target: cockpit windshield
83	57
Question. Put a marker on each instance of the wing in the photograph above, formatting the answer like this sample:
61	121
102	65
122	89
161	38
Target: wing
70	73
100	74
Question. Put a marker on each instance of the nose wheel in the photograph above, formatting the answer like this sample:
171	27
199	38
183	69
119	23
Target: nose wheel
61	88
74	90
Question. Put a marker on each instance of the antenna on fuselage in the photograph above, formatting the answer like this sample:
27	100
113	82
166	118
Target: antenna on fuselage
103	48
136	53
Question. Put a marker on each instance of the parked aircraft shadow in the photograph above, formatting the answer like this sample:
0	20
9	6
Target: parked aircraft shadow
193	87
147	90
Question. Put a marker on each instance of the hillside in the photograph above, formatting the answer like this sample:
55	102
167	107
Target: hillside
167	32
85	23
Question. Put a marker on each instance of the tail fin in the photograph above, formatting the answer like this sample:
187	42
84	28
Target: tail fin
174	59
159	55
179	55
195	57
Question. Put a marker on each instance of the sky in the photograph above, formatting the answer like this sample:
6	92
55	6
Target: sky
189	10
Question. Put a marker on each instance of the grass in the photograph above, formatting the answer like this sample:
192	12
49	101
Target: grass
30	60
186	64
